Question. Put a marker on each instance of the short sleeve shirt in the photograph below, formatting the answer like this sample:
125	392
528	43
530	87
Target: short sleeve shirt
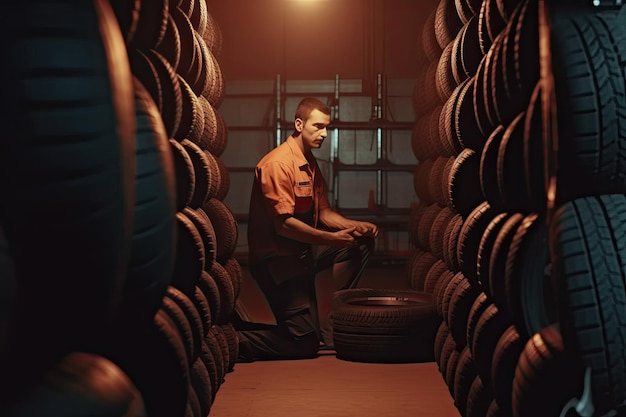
285	183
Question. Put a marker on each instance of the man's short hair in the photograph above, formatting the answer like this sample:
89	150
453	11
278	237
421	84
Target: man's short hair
307	105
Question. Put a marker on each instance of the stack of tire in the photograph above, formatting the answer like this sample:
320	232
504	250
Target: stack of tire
504	272
172	49
117	250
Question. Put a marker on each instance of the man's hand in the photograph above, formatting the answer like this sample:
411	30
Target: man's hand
343	238
365	229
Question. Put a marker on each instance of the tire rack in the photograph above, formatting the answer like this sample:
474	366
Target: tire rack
486	138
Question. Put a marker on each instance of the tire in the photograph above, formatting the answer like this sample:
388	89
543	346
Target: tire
161	81
151	24
429	41
589	263
226	292
470	236
202	174
439	290
461	303
94	382
464	186
184	174
534	169
464	377
489	328
415	214
192	315
440	340
201	386
479	398
470	51
213	35
510	167
207	358
498	259
170	47
182	325
421	180
192	115
437	231
547	376
205	67
190	259
225	226
386	326
504	362
211	291
437	272
199	16
217	355
448	133
154	229
591	101
529	293
165	392
201	303
188	57
434	181
67	168
235	271
450	243
443	303
205	230
521	57
444	79
465	126
233	345
426	224
480	304
451	367
449	349
222	344
447	22
419	270
485	250
488	173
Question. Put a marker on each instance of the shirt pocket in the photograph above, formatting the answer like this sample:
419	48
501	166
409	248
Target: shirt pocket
304	197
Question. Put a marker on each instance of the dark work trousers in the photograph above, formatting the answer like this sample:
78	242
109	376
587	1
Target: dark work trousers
293	301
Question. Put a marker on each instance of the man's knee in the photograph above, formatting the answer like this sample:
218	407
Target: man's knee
366	242
365	246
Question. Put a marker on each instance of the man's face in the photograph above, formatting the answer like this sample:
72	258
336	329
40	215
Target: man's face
313	131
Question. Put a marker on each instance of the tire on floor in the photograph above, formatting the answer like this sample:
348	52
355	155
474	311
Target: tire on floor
384	326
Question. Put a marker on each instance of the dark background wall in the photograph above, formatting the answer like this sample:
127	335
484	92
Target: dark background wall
316	39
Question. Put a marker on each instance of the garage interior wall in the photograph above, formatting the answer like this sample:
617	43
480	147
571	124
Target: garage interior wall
363	53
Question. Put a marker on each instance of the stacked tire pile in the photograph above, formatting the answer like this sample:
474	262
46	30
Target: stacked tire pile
117	248
526	293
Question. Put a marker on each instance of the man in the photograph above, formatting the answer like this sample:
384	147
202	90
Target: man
290	215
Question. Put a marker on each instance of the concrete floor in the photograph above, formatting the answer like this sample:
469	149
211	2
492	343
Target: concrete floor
330	387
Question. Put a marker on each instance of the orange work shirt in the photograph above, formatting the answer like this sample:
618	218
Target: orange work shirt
285	183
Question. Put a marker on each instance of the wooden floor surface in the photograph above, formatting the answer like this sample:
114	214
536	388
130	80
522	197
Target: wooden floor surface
330	387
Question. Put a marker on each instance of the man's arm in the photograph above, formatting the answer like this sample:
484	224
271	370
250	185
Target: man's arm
333	220
292	228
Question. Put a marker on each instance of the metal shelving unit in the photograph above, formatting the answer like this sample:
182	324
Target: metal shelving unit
279	127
